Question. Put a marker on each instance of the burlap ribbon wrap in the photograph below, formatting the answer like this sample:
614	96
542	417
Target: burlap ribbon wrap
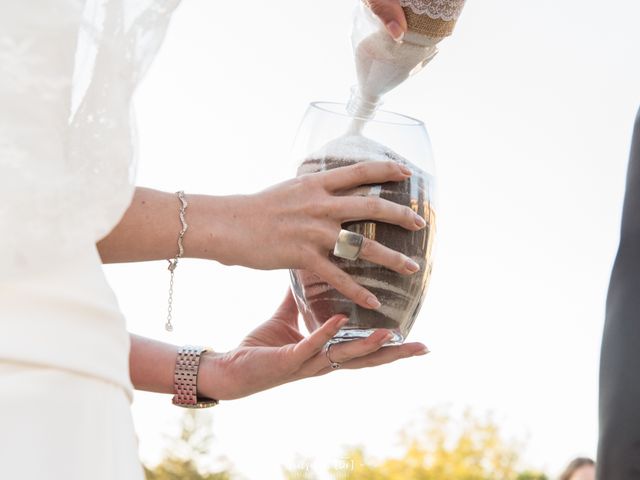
425	24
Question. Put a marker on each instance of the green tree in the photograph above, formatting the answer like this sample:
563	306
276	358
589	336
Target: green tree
469	448
532	476
444	448
183	459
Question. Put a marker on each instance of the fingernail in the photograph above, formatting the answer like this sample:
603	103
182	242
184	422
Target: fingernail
395	30
343	321
373	302
422	351
411	265
420	222
405	170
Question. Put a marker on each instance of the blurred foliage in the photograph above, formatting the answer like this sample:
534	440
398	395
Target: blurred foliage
183	458
532	476
176	469
301	471
442	447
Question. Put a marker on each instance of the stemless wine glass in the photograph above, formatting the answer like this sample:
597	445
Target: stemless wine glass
329	137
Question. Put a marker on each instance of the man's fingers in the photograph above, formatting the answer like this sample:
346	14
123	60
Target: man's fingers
391	14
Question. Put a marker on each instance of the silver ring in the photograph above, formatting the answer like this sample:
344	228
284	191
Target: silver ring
348	245
334	365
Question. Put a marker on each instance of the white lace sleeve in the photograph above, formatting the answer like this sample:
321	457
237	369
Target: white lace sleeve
67	143
446	10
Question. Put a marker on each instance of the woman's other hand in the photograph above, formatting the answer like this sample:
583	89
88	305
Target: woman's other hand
276	353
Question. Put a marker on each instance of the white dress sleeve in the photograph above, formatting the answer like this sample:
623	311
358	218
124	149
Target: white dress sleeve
67	147
67	164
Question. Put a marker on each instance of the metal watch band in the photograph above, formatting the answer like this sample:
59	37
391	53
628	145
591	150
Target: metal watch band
185	380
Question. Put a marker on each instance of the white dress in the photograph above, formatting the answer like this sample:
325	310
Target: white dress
68	69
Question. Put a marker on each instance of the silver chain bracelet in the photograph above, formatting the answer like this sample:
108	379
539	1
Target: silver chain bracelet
174	262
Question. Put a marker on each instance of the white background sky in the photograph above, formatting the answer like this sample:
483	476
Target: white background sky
529	106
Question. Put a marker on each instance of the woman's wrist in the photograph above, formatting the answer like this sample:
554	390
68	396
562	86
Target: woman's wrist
150	228
208	372
214	225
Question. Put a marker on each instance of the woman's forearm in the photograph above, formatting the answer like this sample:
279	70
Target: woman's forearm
150	227
152	366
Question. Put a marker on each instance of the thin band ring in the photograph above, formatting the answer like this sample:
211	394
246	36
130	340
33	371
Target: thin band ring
334	365
348	245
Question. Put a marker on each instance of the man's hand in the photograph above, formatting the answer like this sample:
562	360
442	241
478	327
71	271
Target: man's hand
391	14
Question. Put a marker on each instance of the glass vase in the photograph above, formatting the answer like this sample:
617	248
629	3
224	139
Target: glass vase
330	137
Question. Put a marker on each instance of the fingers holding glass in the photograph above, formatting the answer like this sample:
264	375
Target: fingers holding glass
336	353
366	353
386	355
373	208
354	246
344	284
363	173
314	343
377	253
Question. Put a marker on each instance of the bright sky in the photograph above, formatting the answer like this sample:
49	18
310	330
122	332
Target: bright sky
529	107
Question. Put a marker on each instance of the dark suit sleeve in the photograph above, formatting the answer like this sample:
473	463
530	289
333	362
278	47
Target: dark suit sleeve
619	446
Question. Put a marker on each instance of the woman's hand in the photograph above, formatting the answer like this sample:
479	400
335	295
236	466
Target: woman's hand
276	353
391	14
292	225
295	225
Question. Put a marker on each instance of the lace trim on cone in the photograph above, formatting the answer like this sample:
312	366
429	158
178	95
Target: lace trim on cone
446	10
